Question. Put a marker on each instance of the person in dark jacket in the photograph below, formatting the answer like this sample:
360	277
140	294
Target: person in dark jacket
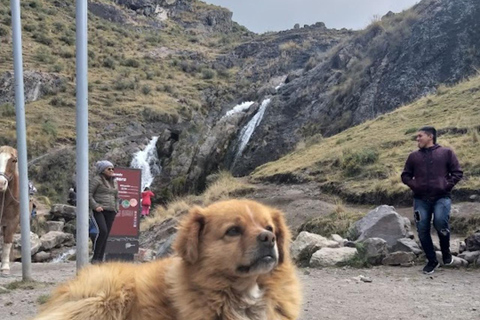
103	198
431	173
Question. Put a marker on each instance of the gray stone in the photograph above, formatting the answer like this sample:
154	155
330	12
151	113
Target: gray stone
327	257
382	222
470	256
339	239
306	244
41	256
54	239
55	226
145	255
462	246
407	245
399	258
63	211
457	262
473	242
35	245
165	247
376	250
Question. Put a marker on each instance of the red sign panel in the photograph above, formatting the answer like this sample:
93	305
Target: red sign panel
129	189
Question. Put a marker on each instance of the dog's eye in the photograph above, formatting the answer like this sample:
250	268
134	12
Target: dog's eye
233	231
269	228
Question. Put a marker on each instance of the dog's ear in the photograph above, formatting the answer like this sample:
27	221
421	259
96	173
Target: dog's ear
282	234
189	233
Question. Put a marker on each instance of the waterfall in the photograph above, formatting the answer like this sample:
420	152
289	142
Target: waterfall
239	108
147	160
247	131
64	256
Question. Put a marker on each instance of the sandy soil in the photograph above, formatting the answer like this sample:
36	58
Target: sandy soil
332	293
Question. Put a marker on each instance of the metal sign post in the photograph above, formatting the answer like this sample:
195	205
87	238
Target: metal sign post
21	140
82	135
123	240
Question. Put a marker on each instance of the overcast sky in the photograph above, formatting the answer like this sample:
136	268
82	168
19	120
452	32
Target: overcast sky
274	15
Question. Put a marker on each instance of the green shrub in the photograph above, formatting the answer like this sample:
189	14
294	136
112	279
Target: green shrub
29	27
109	63
146	89
208	74
131	63
7	110
354	162
42	38
3	32
50	128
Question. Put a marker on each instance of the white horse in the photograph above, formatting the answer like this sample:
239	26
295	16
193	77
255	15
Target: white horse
9	204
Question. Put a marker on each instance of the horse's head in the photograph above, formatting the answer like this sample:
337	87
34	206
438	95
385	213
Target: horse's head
8	166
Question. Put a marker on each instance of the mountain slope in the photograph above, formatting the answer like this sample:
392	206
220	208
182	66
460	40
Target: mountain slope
363	164
395	61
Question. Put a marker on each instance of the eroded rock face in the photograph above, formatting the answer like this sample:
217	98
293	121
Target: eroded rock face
396	68
36	85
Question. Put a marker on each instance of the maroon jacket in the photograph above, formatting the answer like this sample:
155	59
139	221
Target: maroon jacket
432	173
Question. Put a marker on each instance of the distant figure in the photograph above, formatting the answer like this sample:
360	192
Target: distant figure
31	192
146	201
72	197
432	172
103	198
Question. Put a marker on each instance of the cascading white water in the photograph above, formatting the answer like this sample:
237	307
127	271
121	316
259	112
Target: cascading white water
239	108
247	131
64	256
147	160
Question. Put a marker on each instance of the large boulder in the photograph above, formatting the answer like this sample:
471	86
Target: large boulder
382	222
306	244
42	256
54	239
375	250
407	245
473	242
35	245
63	212
327	257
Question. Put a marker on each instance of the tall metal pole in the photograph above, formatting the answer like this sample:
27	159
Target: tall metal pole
82	135
21	140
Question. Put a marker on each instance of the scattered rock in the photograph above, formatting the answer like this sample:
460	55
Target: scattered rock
399	258
457	262
407	245
54	239
63	211
376	250
470	256
42	256
55	226
473	242
35	245
326	257
339	239
306	244
382	222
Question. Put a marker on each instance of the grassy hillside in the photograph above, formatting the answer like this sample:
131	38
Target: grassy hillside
363	163
136	72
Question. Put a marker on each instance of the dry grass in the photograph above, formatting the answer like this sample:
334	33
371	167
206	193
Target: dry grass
223	188
455	111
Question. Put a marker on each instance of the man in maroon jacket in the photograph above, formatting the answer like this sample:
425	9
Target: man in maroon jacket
432	172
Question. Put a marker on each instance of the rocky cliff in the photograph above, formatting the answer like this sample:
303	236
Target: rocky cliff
394	61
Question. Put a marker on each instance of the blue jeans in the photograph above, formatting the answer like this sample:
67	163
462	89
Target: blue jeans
440	209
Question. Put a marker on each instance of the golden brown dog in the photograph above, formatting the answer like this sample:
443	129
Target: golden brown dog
232	263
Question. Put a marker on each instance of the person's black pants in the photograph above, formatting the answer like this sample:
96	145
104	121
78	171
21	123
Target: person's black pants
104	221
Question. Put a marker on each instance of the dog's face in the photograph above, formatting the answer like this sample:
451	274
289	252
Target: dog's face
238	238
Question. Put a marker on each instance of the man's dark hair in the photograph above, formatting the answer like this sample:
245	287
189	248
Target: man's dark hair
432	131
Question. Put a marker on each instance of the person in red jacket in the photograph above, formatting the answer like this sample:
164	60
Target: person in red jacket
431	173
146	201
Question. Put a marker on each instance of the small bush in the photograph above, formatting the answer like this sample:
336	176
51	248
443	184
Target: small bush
3	32
68	39
29	27
109	63
410	131
133	63
208	74
50	128
146	90
7	110
353	162
42	38
56	68
42	299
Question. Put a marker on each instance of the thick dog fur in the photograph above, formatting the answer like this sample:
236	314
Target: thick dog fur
232	263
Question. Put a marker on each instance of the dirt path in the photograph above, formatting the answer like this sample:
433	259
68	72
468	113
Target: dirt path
332	293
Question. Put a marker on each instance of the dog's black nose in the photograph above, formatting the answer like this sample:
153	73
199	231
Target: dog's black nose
266	238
